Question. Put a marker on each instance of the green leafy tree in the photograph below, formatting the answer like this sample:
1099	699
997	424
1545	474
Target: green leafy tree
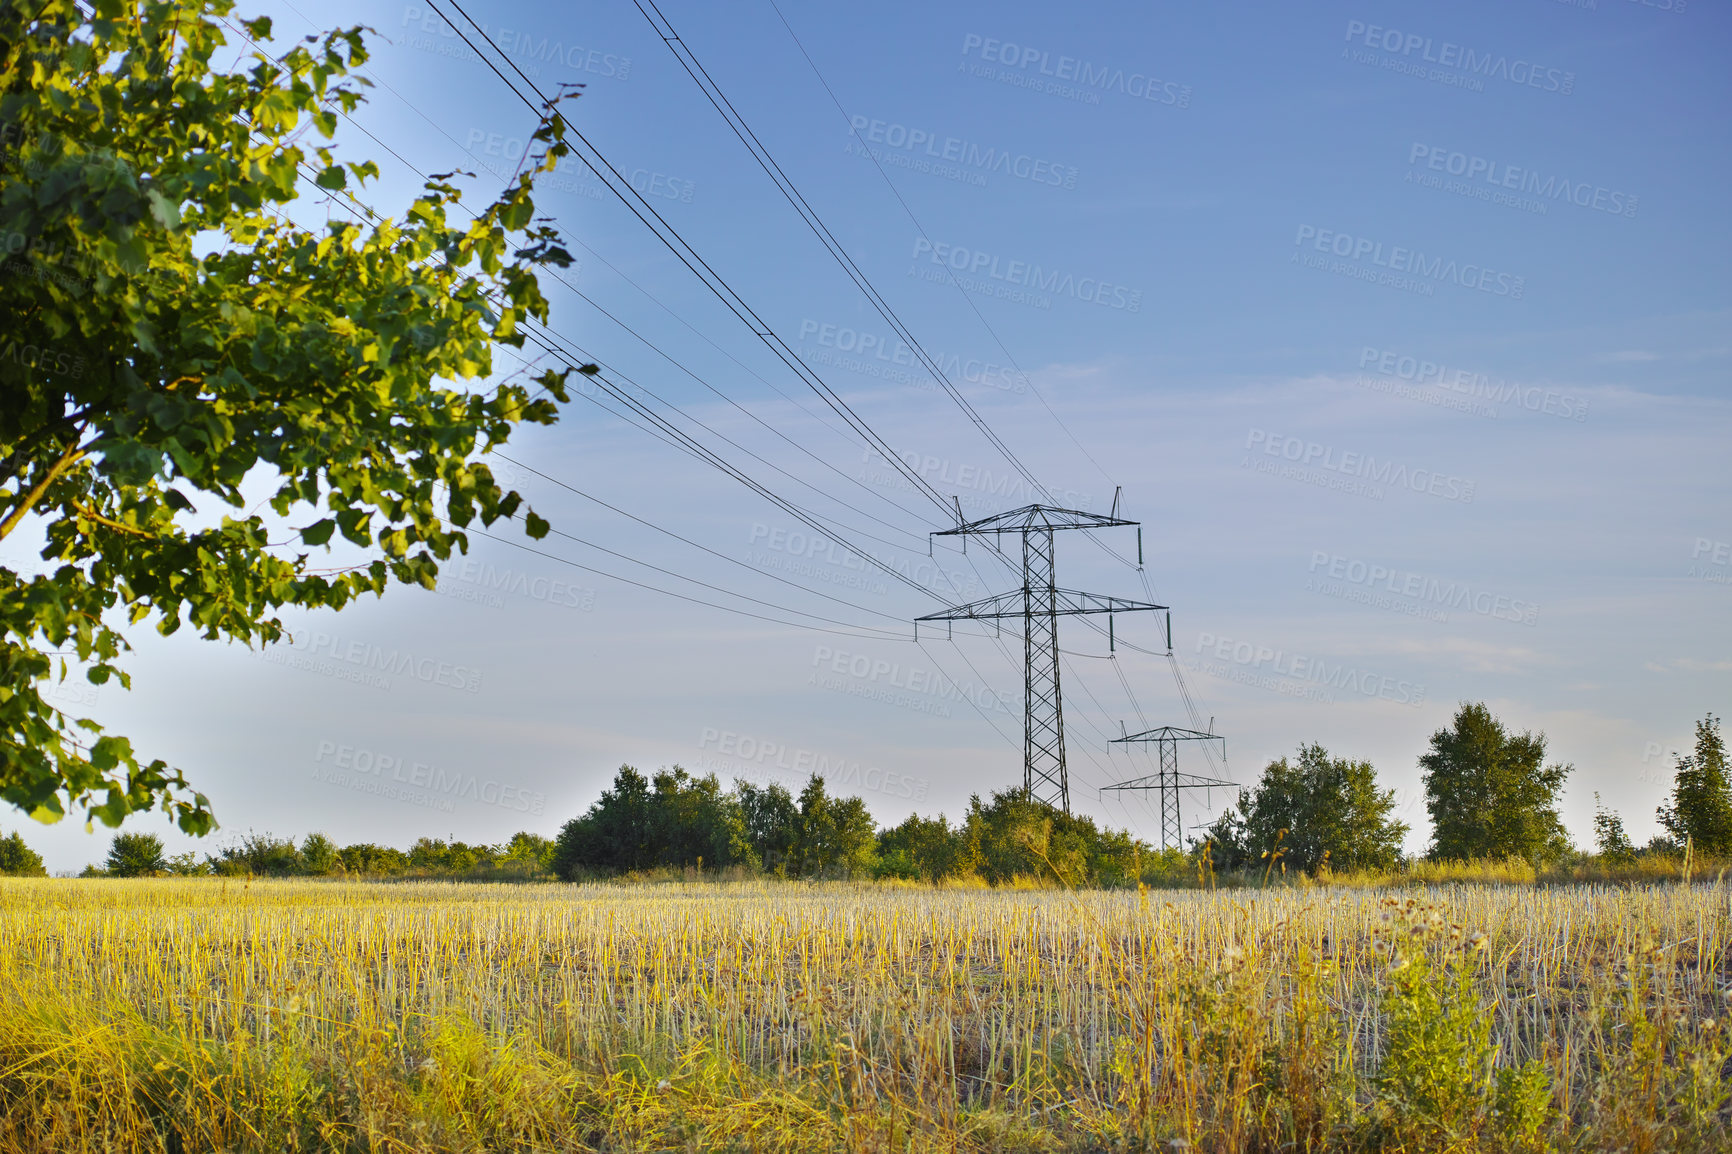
923	848
1701	805
1013	836
364	859
528	851
835	837
19	860
693	821
1317	809
135	855
614	835
191	337
1490	793
319	854
1610	839
772	823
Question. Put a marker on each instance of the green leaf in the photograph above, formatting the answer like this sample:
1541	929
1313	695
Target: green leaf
318	532
166	212
535	526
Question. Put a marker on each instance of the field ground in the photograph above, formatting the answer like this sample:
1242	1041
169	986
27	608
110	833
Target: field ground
229	1015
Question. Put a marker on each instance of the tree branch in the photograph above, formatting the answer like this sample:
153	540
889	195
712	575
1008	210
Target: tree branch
72	454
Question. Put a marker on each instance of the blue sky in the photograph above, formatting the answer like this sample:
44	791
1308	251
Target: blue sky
1402	325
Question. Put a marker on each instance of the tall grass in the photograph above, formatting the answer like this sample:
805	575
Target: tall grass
298	1015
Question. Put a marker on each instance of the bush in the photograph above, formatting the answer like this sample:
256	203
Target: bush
258	853
365	858
430	853
187	865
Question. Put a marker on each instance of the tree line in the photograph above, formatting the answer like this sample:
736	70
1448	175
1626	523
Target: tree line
132	855
1489	792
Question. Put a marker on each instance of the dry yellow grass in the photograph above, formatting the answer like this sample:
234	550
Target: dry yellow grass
212	1015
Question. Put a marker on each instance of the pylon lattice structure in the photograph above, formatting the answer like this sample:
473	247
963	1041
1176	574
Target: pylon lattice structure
1040	603
1168	782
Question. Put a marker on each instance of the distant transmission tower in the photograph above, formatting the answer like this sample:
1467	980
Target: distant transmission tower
1168	782
1040	603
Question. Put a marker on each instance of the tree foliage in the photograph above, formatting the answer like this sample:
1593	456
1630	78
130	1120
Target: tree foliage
1490	793
1315	811
135	855
1701	805
183	336
678	821
835	837
19	860
1610	840
923	849
772	822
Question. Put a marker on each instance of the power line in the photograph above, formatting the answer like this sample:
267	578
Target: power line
672	434
950	275
687	255
718	100
688	541
682	596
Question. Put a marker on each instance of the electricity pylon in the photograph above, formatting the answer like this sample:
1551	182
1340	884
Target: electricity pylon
1040	603
1168	781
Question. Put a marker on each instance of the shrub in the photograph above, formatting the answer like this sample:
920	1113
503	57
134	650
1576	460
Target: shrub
258	853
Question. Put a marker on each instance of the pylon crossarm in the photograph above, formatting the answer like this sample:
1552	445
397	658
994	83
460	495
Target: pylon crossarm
1171	733
1066	602
1180	781
1033	517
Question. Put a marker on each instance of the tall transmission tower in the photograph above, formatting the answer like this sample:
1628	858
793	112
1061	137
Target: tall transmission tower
1040	603
1168	781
